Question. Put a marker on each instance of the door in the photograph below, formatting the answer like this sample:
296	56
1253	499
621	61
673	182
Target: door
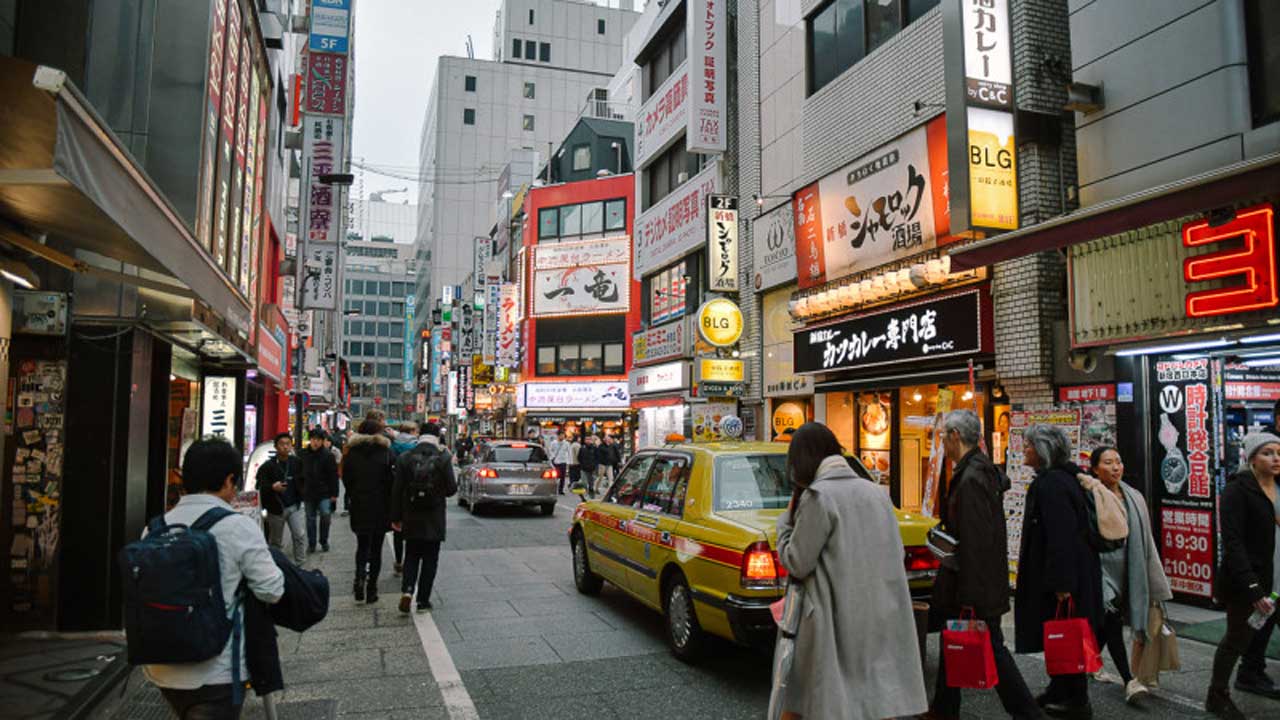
651	532
605	528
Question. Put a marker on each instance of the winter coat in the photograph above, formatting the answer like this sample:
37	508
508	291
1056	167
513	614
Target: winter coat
367	474
1055	557
856	653
420	524
319	475
589	458
1248	527
973	513
610	455
273	471
402	443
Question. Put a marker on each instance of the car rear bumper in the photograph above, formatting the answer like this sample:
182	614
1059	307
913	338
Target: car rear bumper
750	618
504	499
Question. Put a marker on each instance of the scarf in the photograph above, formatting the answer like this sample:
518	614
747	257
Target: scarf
1139	599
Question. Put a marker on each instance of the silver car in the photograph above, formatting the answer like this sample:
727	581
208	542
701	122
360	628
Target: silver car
509	472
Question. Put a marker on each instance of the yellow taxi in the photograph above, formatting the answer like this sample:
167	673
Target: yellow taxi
688	529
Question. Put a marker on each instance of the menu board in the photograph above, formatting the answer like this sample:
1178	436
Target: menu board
875	419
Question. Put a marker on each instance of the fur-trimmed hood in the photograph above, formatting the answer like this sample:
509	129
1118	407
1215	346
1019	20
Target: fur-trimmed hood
357	440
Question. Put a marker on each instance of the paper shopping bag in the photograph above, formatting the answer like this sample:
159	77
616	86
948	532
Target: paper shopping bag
1069	645
967	653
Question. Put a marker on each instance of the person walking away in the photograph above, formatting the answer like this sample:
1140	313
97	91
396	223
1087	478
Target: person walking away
333	445
367	473
1056	564
560	451
1252	677
278	481
203	690
1246	572
856	654
319	488
1133	579
424	479
575	470
403	442
610	458
463	447
976	579
589	463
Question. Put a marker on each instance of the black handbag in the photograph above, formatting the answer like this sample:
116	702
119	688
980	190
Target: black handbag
943	546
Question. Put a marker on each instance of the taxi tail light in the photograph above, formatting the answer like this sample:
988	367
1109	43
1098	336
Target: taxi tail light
550	474
920	562
760	567
487	473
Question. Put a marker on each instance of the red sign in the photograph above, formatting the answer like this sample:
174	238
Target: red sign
1252	390
1251	264
1187	539
808	220
270	355
1087	393
326	84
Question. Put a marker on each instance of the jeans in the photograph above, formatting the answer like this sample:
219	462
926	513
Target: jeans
209	702
424	553
1011	688
321	509
1113	637
1254	661
369	555
295	518
589	479
397	545
1234	644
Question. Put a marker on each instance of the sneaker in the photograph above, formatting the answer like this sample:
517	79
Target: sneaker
405	601
1257	684
1135	691
324	548
1103	676
1219	704
424	607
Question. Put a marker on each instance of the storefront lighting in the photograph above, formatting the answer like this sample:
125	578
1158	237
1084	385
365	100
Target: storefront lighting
967	396
916	396
1273	337
1167	349
1262	362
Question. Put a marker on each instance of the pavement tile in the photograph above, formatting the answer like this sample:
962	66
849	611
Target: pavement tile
342	665
448	612
515	577
560	708
506	652
412	661
372	694
364	617
492	628
368	637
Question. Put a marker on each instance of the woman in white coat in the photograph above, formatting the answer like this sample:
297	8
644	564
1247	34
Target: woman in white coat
856	653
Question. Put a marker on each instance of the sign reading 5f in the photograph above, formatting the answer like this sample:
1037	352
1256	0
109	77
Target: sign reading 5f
330	23
1248	263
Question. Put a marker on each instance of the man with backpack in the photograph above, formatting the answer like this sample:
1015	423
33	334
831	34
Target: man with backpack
424	479
279	481
183	602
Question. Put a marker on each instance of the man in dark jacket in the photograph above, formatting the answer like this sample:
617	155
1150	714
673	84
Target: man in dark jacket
424	479
976	579
589	463
610	459
367	474
319	488
279	481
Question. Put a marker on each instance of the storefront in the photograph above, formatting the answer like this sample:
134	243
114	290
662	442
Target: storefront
788	395
884	378
662	401
576	408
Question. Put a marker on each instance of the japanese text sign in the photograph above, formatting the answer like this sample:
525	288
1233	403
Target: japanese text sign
722	243
330	23
1247	257
585	395
663	116
662	342
218	406
326	84
676	225
583	290
322	152
321	290
549	256
774	248
508	315
988	66
1187	549
708	76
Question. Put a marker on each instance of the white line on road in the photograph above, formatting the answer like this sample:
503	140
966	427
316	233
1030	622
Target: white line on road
457	701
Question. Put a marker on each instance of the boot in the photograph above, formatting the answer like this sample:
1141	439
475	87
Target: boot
1219	704
358	589
371	592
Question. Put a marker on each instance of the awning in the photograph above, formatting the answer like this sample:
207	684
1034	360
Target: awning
63	172
1199	193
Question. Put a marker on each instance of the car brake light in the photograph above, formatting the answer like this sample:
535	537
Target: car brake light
520	445
487	473
919	559
760	567
550	474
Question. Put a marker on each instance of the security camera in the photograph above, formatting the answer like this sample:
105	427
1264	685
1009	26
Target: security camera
1084	361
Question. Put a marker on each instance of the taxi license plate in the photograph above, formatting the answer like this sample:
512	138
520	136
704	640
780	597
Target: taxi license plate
521	490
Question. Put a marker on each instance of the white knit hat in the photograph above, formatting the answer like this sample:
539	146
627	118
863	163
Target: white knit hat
1253	442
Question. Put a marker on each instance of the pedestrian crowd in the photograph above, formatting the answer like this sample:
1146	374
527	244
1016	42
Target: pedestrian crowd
1088	568
588	464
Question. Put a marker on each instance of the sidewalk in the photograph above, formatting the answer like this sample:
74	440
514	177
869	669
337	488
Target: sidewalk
43	678
362	662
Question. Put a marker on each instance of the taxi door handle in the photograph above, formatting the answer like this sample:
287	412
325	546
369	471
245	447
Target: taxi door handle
647	520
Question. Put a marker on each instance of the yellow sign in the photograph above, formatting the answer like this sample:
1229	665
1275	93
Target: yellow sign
720	371
787	416
993	172
720	322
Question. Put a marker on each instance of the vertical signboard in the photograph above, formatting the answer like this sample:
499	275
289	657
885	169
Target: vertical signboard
479	258
508	314
209	134
326	84
708	75
982	151
227	138
235	202
330	21
492	319
409	301
722	249
219	406
321	211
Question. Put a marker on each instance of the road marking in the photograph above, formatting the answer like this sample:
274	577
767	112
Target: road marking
457	701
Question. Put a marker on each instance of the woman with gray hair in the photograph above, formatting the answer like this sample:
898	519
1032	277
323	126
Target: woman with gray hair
1056	566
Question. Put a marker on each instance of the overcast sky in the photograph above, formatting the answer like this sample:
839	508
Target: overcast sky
397	44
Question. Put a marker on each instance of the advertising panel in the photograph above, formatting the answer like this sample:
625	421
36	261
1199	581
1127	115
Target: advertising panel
479	258
707	417
676	225
608	251
708	68
993	174
588	290
326	84
661	343
235	202
774	248
321	291
218	406
409	310
780	378
722	243
612	395
330	20
720	322
887	205
322	152
227	136
659	378
663	116
508	314
492	320
209	133
270	354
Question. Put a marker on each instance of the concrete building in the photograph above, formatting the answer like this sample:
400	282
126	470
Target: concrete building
379	286
375	218
550	58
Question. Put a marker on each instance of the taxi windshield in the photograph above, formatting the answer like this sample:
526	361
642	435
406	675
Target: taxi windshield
752	482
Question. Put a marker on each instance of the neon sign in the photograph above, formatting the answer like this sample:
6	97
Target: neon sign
1254	260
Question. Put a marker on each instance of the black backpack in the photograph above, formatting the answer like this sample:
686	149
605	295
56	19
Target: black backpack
174	611
423	469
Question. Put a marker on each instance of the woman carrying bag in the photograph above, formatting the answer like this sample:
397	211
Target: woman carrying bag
855	650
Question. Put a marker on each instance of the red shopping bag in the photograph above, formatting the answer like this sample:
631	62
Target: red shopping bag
1069	645
967	653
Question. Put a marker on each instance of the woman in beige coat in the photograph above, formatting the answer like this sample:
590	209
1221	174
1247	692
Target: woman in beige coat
856	653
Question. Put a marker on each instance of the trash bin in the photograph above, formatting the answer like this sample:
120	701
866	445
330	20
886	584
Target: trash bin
921	612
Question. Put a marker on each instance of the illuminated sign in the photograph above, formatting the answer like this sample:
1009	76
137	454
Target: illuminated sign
722	243
720	322
718	370
1252	264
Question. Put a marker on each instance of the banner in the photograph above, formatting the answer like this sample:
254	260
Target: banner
676	225
611	395
508	321
709	70
326	84
662	342
609	251
586	290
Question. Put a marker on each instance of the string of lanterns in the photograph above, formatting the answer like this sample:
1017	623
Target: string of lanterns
882	287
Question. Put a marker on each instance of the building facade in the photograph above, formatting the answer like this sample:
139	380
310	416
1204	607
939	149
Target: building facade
379	302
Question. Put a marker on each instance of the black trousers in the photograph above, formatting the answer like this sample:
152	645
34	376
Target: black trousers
1233	645
563	472
210	702
1113	636
1011	688
1254	661
1068	689
369	555
421	558
397	545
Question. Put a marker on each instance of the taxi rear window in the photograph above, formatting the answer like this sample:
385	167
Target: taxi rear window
518	454
752	482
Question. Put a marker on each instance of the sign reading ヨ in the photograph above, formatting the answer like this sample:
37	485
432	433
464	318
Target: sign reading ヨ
1249	259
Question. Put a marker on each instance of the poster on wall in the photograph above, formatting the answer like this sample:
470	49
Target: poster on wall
1020	475
707	417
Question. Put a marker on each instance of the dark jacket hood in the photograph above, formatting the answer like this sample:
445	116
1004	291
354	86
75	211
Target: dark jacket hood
368	441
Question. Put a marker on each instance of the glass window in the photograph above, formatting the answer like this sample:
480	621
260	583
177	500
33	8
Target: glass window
370	307
369	349
544	52
346	327
397	329
613	358
549	223
917	8
370	328
397	309
884	20
1262	27
593	218
581	158
354	305
665	477
357	287
530	50
515	48
530	91
397	370
547	360
571	220
569	360
849	40
600	26
527	123
679	49
592	359
615	215
517	453
626	489
382	370
751	482
397	350
530	16
470	83
383	350
468	116
384	329
397	289
384	288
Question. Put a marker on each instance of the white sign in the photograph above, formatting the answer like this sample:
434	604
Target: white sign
479	259
722	243
322	148
676	226
492	320
321	290
988	65
549	256
219	407
709	71
662	342
659	378
574	395
451	393
773	247
591	289
508	315
329	22
663	116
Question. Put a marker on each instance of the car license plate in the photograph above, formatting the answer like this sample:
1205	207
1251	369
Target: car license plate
521	490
